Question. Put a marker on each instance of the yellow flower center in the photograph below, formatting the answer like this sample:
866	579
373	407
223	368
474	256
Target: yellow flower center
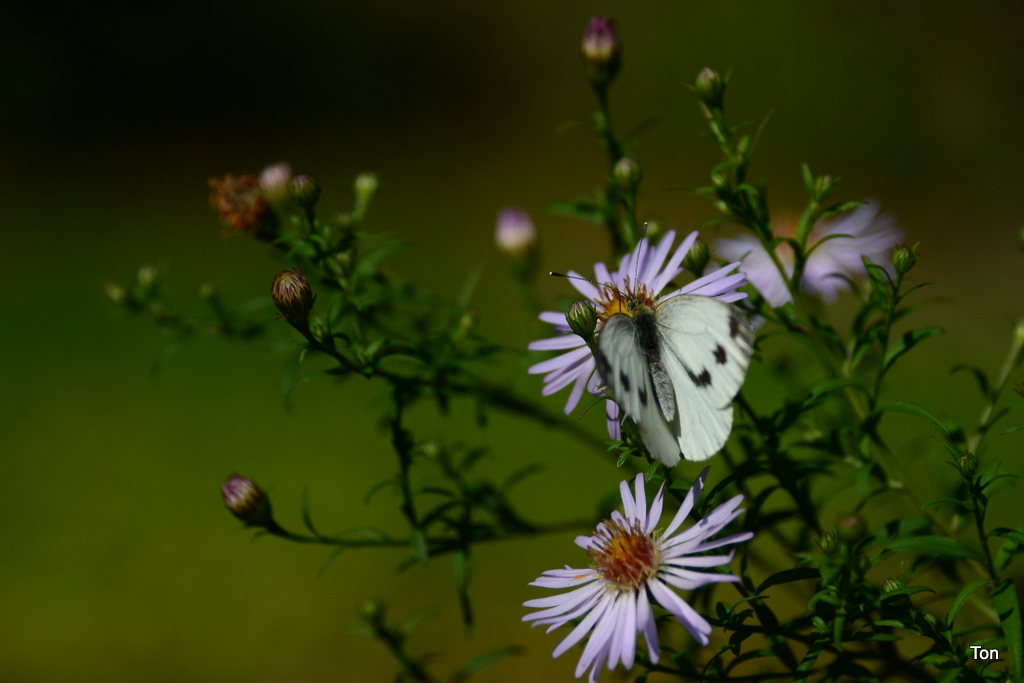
614	300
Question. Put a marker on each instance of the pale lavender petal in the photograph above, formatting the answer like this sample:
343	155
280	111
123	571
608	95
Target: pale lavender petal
641	501
577	391
569	603
603	639
655	515
628	631
601	271
725	540
652	266
584	626
701	560
559	361
565	341
556	578
628	503
672	269
697	625
645	620
714	522
691	498
553	317
614	420
583	285
584	541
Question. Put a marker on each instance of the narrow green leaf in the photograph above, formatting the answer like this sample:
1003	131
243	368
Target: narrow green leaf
1013	429
911	408
953	501
418	543
306	518
1005	599
460	567
789	575
807	663
948	675
907	341
415	620
909	590
936	545
979	376
1008	551
1008	533
962	597
829	386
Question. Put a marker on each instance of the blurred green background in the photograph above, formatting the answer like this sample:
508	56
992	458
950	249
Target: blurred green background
118	560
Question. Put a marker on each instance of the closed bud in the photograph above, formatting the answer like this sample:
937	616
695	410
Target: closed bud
366	186
304	190
372	611
829	544
904	258
207	291
274	181
823	187
696	260
851	528
582	319
514	233
710	88
602	50
246	501
114	292
292	296
627	173
147	276
967	464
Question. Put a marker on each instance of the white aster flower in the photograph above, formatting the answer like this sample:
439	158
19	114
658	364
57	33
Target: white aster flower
831	263
634	564
642	272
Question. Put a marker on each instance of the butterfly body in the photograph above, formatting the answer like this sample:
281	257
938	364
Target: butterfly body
674	367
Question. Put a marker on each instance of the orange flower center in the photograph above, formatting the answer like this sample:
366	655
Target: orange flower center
624	555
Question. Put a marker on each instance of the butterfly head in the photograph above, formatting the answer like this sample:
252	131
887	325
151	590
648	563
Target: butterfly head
632	300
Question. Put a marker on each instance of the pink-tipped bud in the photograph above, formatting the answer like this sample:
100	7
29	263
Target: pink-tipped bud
246	501
274	180
602	49
304	190
292	296
514	233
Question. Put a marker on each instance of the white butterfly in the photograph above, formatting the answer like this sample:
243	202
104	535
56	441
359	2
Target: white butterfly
675	367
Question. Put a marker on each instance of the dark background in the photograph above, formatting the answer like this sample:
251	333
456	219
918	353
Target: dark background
118	561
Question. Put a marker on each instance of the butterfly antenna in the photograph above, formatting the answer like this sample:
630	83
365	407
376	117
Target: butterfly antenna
642	246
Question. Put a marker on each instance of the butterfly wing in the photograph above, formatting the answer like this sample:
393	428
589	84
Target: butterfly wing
626	372
705	348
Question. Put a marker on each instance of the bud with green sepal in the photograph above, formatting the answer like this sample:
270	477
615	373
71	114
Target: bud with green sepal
851	528
366	187
582	320
709	87
304	190
904	258
293	297
696	260
627	173
247	501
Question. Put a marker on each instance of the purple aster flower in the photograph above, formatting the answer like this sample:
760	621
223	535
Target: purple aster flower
831	263
634	564
514	232
643	273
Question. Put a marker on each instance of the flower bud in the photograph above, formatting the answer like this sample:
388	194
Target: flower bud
114	292
851	528
627	173
582	319
514	233
366	186
207	290
824	185
147	276
696	260
967	464
292	296
904	258
602	50
829	544
247	501
274	181
710	88
304	190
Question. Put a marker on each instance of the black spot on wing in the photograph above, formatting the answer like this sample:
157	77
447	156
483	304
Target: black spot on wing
701	380
734	324
720	355
643	397
625	380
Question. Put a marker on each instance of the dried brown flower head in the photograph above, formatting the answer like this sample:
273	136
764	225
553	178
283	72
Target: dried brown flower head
243	206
